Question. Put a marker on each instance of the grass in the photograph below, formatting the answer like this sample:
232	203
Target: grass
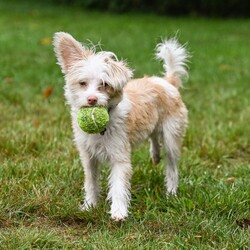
41	176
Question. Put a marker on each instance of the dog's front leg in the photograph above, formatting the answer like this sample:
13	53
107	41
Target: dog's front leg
91	186
119	193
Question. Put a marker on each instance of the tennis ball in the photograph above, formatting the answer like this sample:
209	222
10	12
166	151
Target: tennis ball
93	120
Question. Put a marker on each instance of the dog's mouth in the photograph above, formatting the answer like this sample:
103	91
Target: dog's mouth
92	106
87	106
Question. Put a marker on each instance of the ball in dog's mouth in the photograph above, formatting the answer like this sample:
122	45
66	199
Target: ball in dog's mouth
93	120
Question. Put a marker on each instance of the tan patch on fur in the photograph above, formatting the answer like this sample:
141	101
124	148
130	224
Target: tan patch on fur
151	105
88	53
69	51
173	81
112	93
73	54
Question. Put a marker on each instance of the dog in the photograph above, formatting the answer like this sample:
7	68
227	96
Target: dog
139	109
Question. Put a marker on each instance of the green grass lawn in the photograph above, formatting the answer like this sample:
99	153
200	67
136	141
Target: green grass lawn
40	172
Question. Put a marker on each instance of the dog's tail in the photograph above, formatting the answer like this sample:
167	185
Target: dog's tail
174	57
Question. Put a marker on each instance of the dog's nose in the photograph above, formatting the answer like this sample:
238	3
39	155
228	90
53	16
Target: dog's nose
92	100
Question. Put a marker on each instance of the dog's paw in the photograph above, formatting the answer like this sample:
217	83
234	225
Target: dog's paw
86	206
156	159
172	183
171	192
119	215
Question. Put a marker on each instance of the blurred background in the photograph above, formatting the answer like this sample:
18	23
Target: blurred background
40	172
208	8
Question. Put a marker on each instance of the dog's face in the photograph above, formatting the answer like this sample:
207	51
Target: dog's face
92	79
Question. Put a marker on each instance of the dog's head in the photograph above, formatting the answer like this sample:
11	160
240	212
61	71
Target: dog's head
92	79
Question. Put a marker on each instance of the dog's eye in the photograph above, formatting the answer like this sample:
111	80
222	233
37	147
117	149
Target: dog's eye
102	86
82	83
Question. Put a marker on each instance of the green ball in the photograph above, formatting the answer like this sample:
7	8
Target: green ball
93	120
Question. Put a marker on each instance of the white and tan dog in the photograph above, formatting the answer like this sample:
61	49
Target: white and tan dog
150	107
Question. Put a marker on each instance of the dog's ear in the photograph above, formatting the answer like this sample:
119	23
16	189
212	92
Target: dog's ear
119	72
68	50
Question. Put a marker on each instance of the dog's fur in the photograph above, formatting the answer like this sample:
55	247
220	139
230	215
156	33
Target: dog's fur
150	107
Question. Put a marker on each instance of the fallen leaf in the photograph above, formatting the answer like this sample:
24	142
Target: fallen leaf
46	41
8	79
245	223
231	179
36	123
47	92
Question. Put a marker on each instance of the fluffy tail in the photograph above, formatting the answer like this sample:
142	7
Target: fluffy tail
174	57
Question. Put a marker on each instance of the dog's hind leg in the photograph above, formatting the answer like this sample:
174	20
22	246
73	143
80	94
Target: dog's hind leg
173	131
155	148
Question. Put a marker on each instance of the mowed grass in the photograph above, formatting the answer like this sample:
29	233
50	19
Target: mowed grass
41	175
